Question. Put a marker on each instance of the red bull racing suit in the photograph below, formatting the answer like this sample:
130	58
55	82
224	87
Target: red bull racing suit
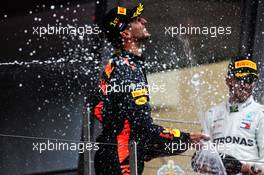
124	110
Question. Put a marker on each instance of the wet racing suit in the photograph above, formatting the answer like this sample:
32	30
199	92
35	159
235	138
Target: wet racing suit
124	110
240	130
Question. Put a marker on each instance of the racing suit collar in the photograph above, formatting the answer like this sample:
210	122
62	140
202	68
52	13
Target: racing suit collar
132	57
236	107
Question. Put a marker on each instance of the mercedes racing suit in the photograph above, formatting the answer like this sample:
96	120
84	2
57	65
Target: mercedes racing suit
124	110
240	130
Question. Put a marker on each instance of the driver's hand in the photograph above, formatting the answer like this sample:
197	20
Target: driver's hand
196	137
248	169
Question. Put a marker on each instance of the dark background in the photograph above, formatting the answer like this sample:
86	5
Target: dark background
46	100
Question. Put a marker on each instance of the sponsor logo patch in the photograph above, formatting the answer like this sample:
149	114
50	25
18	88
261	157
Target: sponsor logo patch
234	140
141	101
115	22
245	63
244	74
139	10
245	125
121	10
139	92
174	132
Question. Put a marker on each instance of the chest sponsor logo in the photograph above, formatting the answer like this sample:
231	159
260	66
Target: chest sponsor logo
246	121
233	109
234	140
245	125
249	117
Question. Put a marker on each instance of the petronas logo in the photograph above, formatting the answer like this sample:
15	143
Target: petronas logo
170	169
139	10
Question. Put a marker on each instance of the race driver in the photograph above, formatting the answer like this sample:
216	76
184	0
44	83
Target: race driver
123	104
238	123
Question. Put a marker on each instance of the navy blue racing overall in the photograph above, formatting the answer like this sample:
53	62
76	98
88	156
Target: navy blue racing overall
124	110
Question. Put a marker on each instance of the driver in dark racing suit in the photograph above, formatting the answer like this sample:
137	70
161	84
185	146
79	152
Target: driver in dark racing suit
123	101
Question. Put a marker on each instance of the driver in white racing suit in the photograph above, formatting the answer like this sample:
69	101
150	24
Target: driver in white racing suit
238	123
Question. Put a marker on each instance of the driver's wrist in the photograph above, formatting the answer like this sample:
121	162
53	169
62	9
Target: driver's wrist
245	168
